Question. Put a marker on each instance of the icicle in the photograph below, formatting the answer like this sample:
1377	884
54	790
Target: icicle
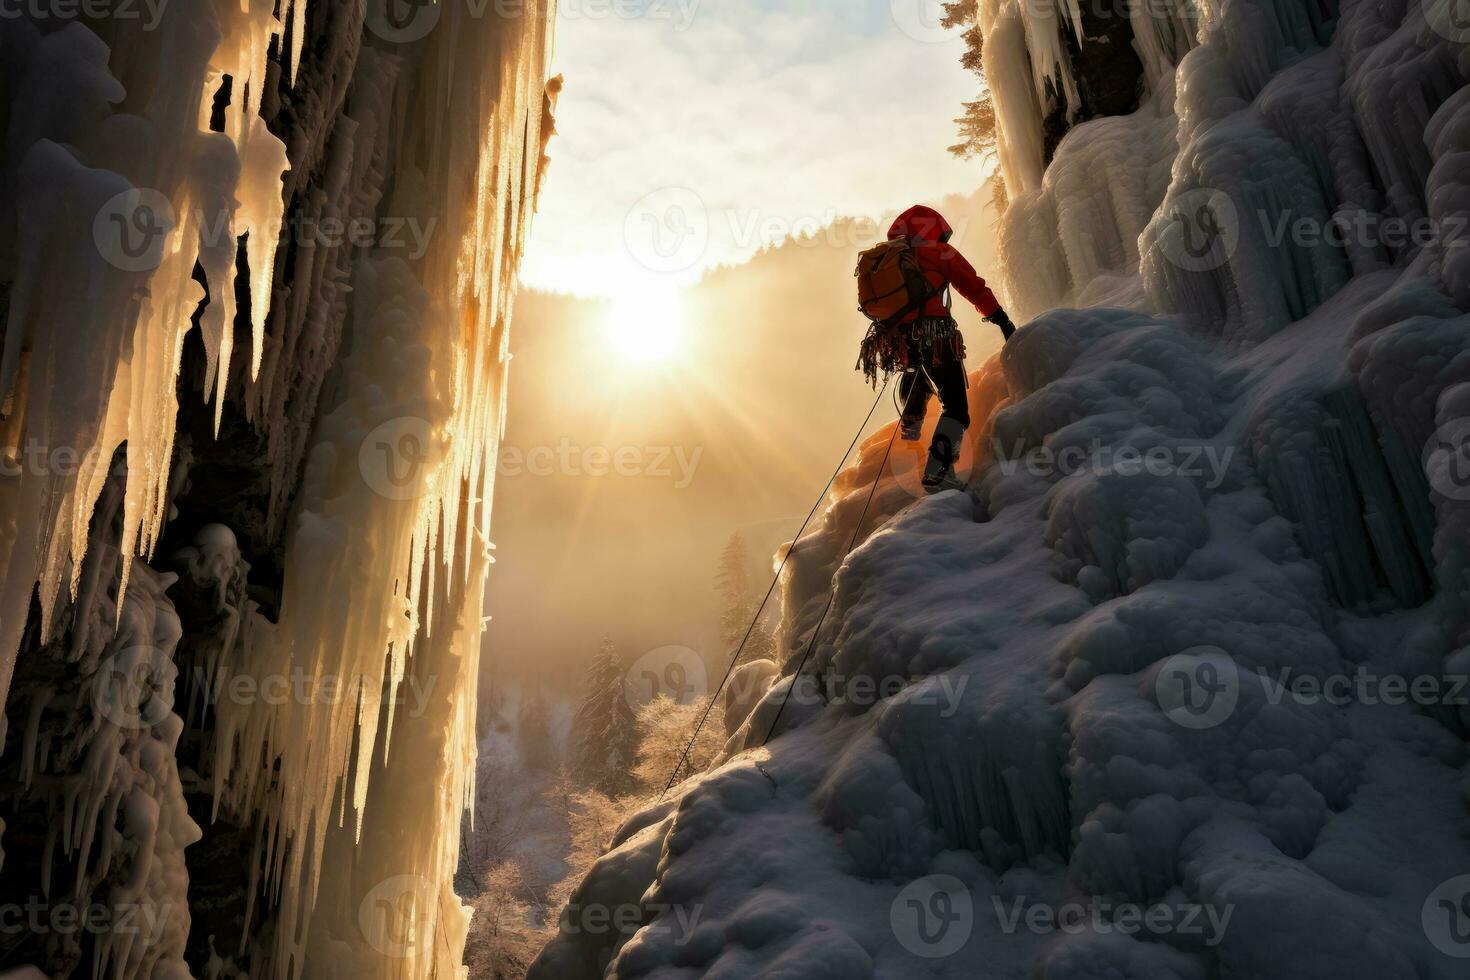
298	36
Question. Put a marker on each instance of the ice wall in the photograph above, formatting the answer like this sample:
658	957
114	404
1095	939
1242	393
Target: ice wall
310	447
98	752
107	209
1236	471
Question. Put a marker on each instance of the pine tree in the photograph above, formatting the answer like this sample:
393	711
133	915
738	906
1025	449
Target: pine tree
605	730
733	585
537	750
977	123
738	603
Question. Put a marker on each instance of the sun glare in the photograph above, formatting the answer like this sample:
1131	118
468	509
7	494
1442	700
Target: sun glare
646	327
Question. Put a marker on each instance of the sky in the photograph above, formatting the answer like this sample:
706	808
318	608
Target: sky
691	136
694	132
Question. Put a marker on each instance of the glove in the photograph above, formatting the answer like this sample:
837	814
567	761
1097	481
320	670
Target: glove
1000	319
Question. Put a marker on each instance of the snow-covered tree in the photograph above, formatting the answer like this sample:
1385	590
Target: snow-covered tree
592	819
510	925
605	730
738	603
977	122
665	726
537	749
732	582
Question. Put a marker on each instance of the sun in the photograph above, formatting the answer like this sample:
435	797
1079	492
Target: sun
646	327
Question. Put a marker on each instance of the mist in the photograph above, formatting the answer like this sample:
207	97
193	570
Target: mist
619	483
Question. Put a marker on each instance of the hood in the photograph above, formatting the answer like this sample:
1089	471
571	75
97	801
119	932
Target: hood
920	222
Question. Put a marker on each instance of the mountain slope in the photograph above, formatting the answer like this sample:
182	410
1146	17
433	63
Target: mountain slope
1177	689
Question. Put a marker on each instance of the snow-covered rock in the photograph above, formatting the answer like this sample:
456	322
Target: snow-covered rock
1178	688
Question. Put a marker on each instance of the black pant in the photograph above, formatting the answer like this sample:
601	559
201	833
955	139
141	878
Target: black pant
917	384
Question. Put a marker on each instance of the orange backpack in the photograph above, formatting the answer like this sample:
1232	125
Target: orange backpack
890	283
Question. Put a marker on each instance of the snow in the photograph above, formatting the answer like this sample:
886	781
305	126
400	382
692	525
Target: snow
1233	473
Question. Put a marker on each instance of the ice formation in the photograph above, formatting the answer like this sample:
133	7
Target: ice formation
997	701
329	534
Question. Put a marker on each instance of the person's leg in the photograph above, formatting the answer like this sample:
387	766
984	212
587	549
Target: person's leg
914	391
948	379
954	390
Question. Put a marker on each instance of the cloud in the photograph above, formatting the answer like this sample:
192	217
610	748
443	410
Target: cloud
752	117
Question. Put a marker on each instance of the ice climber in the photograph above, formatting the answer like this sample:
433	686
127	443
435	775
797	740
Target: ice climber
903	287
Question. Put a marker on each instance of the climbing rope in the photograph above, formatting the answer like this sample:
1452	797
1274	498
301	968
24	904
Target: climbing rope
832	592
781	568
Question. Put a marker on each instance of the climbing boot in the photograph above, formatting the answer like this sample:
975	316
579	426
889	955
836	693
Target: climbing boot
943	454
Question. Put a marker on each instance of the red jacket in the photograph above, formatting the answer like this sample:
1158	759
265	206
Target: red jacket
942	263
